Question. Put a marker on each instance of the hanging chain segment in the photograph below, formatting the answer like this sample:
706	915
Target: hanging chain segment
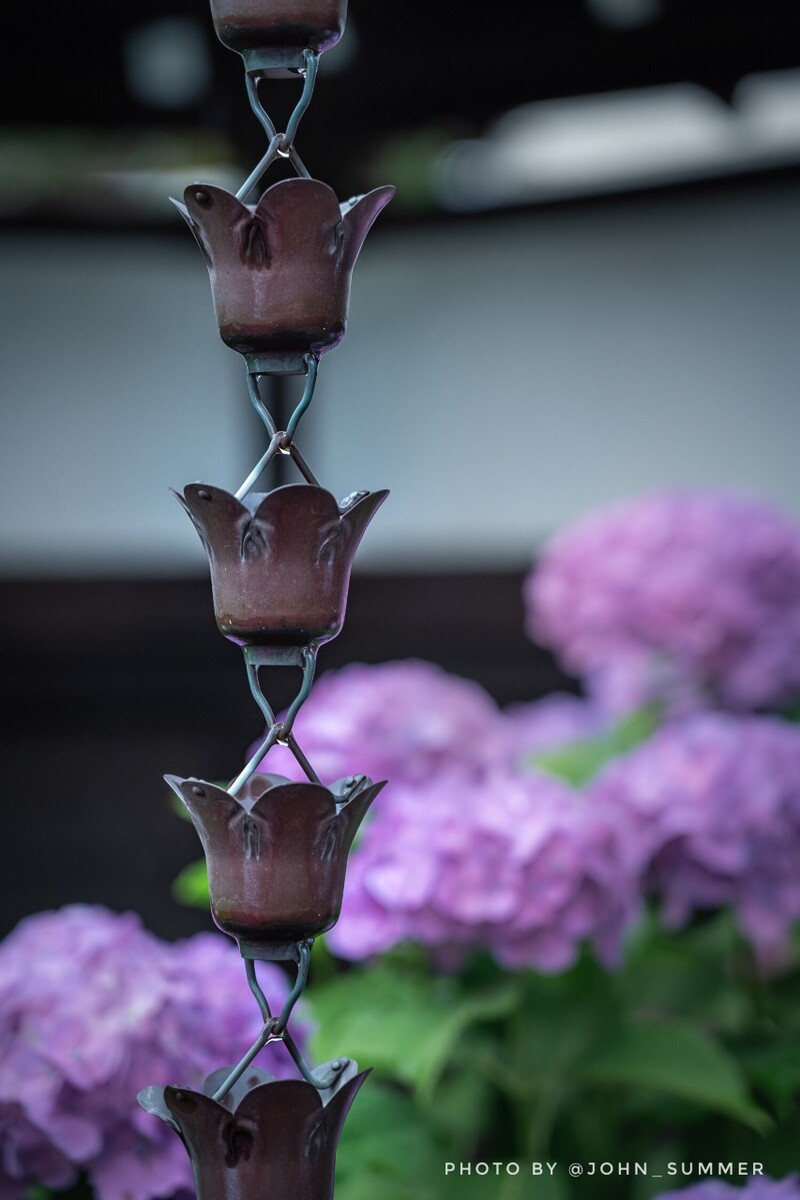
243	533
281	441
280	144
277	731
275	1028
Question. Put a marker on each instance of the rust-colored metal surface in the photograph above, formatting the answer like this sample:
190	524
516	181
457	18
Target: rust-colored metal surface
280	271
276	855
270	1140
281	562
272	32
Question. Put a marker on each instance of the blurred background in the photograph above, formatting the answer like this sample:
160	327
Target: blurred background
587	286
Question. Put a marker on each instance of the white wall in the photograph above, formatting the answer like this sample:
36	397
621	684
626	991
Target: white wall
501	377
114	389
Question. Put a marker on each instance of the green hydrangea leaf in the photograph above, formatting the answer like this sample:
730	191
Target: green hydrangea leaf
579	762
677	1059
403	1023
191	886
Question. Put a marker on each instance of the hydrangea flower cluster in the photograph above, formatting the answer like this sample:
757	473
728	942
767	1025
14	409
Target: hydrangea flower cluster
714	801
757	1187
399	721
706	814
518	863
688	596
92	1009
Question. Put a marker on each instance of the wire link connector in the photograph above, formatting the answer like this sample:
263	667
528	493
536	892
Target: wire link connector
277	731
280	144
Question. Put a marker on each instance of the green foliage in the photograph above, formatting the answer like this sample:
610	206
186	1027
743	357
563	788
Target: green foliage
191	886
685	1054
402	1021
675	1058
389	1149
81	1190
579	762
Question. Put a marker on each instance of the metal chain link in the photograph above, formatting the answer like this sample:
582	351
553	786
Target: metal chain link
280	144
282	441
277	731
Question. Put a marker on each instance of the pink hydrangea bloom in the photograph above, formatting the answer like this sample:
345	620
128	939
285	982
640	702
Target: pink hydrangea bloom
520	864
92	1009
691	596
714	801
757	1187
399	720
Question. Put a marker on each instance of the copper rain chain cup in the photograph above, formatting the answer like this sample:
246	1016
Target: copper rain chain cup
273	35
280	270
269	1140
276	855
280	563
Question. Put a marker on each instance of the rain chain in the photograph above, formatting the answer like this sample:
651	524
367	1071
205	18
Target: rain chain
280	563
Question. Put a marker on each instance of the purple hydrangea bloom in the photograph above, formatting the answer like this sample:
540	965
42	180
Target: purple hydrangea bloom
757	1187
399	721
92	1009
520	864
714	801
687	596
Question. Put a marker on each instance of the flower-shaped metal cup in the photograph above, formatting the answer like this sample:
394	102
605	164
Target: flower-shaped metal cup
269	1140
276	855
272	34
281	561
280	271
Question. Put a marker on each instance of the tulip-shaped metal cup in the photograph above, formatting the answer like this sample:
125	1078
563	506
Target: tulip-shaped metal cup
280	271
276	855
280	562
271	35
268	1140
